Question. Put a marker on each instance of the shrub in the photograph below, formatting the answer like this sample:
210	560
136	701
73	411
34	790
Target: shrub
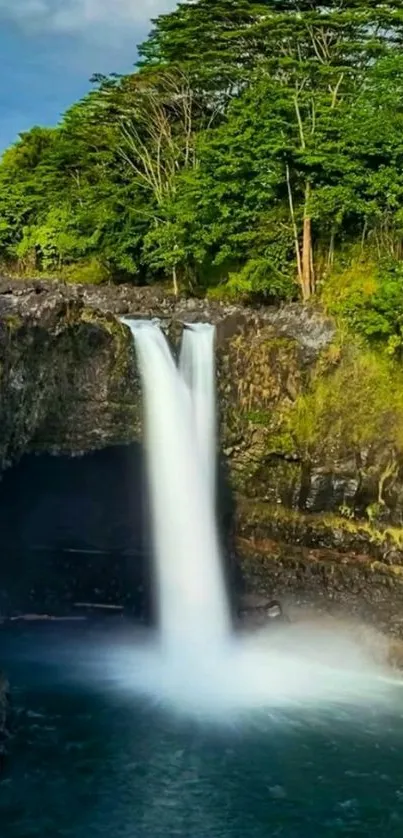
368	297
257	280
91	272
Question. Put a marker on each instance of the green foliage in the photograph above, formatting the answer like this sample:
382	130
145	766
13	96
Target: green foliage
258	279
92	272
254	143
357	403
368	296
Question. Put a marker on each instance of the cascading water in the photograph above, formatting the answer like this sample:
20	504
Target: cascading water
197	365
180	432
198	664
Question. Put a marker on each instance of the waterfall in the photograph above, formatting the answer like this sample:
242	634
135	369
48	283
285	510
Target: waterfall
180	439
197	365
197	663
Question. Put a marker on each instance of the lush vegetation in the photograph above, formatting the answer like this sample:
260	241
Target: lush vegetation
353	402
257	148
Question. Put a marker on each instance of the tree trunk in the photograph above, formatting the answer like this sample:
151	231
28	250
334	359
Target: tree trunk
175	281
313	275
307	277
294	228
330	258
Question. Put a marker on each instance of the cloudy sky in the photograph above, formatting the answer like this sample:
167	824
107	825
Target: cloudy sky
50	49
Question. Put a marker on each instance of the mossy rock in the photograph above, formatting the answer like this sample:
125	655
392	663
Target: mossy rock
326	580
259	376
322	530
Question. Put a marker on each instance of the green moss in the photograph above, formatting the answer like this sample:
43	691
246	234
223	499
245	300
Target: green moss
258	417
374	511
91	272
260	513
110	324
351	407
13	322
282	441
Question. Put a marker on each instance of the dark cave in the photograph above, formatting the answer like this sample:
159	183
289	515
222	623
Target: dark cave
76	530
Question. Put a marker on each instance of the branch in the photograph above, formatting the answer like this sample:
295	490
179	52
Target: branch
299	120
336	90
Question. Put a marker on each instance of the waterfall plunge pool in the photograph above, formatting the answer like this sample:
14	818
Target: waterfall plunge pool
88	762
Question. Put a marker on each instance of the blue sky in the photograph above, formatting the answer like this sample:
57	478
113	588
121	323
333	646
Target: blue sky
50	49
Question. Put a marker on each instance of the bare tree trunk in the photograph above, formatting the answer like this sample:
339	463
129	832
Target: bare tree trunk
364	236
175	281
313	275
330	257
294	229
307	278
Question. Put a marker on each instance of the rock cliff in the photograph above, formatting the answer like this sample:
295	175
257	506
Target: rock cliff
68	372
69	383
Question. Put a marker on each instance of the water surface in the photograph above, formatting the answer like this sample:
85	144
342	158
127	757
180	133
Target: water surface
88	764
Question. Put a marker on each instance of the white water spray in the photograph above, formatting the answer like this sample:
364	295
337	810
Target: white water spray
180	439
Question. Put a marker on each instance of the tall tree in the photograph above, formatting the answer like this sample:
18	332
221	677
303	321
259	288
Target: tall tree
253	138
316	54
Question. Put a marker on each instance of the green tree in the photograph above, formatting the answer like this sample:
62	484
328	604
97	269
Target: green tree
313	55
256	141
22	172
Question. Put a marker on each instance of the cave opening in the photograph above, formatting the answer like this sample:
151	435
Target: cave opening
75	534
74	531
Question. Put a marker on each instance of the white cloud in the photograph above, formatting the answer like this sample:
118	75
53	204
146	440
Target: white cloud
72	16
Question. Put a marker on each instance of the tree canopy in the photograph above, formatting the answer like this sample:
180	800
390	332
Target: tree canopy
256	149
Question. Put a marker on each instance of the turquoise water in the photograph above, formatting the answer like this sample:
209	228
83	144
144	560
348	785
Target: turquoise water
88	764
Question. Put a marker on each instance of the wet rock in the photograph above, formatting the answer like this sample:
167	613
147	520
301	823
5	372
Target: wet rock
330	490
68	379
325	577
256	612
262	522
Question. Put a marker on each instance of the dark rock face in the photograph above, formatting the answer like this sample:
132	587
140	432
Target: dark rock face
69	383
341	567
329	581
68	373
68	379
